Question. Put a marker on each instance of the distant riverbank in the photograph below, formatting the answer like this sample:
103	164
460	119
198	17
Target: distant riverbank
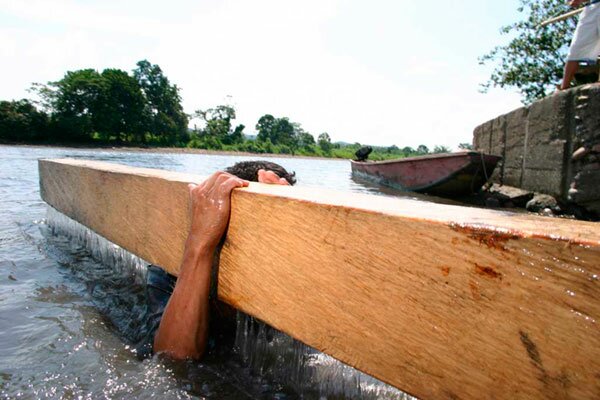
167	150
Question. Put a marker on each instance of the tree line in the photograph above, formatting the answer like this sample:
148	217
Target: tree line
108	106
144	108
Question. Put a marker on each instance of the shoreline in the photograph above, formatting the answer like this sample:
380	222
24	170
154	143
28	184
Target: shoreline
476	201
168	150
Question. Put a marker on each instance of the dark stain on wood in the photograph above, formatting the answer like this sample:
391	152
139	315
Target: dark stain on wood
451	395
488	272
532	351
555	386
445	271
490	238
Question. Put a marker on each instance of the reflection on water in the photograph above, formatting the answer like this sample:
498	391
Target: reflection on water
67	320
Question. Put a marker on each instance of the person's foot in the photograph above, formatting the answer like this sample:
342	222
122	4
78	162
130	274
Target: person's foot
560	88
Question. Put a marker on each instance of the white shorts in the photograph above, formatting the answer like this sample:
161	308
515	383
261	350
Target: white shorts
586	41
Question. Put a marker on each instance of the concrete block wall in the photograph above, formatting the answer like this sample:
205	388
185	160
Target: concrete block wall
537	142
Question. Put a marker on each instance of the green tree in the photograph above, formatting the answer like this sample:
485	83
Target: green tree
422	149
237	136
217	120
284	133
324	142
465	146
84	101
218	124
441	149
164	112
306	141
280	131
407	151
20	121
119	109
265	127
393	149
532	61
73	101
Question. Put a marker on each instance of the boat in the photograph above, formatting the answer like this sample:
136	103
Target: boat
445	174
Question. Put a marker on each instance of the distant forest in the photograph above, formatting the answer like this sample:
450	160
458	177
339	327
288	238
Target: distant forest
113	107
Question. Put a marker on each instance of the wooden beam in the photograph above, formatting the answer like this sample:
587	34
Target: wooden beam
439	301
562	17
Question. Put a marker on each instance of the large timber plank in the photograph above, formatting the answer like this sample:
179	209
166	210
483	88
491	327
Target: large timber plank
440	301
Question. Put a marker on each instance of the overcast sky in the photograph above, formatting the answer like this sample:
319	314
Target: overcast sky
401	72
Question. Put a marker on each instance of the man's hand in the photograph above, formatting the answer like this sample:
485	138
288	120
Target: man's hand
210	205
576	3
265	176
183	329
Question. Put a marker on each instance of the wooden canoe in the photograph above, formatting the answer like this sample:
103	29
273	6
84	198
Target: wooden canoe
443	302
448	174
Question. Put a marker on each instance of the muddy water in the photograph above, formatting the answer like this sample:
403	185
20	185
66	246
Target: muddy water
70	307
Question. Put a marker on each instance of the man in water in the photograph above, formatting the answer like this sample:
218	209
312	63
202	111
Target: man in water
586	41
180	329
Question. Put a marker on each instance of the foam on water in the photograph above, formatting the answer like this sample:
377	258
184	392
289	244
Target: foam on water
264	350
101	249
306	370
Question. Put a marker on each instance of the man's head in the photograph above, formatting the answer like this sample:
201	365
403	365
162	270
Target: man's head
261	171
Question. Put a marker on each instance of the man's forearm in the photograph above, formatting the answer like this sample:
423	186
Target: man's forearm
183	328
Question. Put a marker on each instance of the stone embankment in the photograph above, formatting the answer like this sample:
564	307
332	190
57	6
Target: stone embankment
551	146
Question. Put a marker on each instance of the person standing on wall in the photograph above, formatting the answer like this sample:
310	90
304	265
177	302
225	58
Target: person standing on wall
586	40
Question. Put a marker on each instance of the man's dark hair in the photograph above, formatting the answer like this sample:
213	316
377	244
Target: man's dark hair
248	170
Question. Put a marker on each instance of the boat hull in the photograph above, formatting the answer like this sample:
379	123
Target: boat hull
451	174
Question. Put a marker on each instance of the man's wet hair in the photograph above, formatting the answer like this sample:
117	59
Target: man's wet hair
248	170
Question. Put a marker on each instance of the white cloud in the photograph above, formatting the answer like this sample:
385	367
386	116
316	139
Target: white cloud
73	14
270	56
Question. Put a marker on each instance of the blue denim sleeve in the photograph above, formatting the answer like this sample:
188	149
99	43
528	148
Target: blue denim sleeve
159	287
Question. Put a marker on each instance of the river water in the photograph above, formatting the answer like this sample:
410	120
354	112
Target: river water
68	305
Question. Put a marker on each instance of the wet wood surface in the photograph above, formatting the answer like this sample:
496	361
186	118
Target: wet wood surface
440	301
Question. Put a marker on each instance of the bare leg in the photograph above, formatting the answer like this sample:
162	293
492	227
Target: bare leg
571	68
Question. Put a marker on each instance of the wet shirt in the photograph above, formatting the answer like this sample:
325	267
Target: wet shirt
159	288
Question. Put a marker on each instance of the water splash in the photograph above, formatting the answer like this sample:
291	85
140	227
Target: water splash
121	261
267	352
307	371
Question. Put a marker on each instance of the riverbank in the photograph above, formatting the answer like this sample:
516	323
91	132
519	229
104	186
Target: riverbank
165	150
485	199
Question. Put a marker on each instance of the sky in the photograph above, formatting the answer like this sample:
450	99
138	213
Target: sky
379	72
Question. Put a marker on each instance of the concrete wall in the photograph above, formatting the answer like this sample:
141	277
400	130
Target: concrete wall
537	143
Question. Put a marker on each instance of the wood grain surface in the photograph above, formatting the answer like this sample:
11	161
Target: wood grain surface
440	301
